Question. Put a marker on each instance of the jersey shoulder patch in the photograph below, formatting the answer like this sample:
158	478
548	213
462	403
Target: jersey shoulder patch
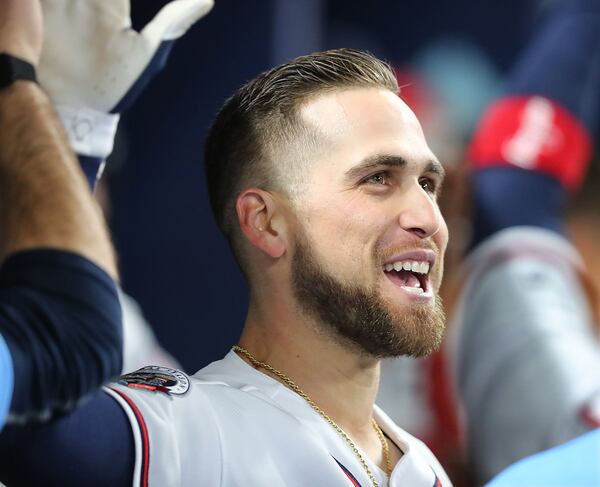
157	379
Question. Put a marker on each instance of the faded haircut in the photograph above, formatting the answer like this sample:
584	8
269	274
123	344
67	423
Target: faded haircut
248	141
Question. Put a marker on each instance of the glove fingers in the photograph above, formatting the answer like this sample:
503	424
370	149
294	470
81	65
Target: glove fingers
117	60
174	19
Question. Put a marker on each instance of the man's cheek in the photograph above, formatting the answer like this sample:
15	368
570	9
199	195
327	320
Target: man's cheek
442	236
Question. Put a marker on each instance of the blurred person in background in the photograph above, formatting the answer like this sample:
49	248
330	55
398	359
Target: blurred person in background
524	340
576	462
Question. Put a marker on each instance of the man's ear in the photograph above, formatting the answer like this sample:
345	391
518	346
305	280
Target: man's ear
261	221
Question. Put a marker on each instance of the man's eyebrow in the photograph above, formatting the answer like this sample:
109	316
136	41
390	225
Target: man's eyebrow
374	162
378	161
437	168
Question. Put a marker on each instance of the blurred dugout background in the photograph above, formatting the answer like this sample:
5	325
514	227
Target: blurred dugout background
173	260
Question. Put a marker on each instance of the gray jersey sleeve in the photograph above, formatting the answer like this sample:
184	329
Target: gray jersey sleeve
526	360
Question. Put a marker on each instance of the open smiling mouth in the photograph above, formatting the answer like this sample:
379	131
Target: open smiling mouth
410	275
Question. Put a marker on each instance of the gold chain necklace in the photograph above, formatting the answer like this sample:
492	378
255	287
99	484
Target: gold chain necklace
292	385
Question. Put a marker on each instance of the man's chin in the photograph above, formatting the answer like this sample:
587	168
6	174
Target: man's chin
421	330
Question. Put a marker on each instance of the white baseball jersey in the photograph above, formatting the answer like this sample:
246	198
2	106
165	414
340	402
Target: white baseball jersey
230	425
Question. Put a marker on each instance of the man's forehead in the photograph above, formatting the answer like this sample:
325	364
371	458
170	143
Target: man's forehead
362	125
335	112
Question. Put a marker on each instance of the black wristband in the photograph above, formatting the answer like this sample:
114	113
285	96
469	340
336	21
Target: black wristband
12	69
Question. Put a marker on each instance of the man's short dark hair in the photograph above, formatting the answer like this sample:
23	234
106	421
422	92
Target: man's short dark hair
259	123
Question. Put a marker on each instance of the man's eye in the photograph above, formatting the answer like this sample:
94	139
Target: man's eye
379	178
428	185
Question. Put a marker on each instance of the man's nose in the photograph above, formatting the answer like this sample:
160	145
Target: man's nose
420	214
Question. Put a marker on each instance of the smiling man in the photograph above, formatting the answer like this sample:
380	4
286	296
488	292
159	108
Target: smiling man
321	179
336	199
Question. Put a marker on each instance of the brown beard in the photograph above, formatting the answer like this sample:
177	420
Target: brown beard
359	317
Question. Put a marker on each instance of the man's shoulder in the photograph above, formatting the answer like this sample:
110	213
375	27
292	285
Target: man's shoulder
174	416
166	407
157	384
164	388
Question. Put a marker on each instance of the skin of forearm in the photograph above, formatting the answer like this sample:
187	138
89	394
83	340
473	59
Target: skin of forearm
44	198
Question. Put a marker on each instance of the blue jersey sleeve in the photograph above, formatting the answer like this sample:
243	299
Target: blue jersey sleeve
91	446
61	320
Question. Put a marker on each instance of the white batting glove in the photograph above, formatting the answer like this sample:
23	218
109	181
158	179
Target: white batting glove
94	64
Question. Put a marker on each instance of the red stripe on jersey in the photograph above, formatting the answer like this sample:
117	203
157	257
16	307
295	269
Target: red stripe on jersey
348	474
533	133
145	438
590	412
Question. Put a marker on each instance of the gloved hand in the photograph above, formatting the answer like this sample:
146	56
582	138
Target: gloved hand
94	64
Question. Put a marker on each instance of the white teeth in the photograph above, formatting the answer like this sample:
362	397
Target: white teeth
414	290
413	266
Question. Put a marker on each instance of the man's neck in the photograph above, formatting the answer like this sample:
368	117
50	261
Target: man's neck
341	381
